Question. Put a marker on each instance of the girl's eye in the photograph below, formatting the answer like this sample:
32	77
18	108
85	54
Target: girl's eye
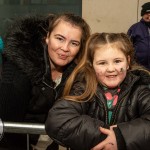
101	63
117	61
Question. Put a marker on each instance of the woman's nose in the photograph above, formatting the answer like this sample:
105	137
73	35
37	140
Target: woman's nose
65	47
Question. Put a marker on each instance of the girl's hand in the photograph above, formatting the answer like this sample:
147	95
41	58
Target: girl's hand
109	143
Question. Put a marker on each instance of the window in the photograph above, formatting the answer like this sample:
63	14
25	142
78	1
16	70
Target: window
9	9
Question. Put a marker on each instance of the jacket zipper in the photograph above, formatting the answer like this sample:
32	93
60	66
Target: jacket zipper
105	109
51	88
113	119
114	115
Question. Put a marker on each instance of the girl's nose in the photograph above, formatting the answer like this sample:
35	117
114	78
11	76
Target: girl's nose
110	68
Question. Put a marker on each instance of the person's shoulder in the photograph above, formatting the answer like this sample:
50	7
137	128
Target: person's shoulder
135	28
138	24
135	25
11	72
143	75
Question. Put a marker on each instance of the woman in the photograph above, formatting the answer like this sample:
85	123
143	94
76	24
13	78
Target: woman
106	100
38	60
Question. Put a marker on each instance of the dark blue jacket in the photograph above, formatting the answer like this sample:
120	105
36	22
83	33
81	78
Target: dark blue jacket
140	37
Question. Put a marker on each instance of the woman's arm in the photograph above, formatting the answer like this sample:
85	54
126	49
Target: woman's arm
14	93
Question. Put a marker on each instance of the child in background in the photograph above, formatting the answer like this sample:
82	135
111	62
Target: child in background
106	100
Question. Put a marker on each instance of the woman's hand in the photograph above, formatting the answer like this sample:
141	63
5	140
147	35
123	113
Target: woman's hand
109	143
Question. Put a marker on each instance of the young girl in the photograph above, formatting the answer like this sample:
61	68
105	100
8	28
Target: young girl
106	101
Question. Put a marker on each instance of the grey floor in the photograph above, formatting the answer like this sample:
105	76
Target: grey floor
43	142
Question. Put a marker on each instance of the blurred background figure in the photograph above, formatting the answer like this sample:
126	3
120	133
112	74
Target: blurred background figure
140	36
1	50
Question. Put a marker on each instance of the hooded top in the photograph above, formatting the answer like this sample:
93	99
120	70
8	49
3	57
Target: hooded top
24	44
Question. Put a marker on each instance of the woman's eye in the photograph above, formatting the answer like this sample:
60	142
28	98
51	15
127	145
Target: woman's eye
59	38
75	44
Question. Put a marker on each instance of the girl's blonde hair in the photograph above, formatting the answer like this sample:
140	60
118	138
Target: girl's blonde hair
85	69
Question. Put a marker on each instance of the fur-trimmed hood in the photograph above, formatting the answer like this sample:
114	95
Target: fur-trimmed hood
25	44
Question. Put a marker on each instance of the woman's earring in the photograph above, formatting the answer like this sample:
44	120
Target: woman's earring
47	41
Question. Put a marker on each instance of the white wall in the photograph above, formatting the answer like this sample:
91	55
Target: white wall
111	15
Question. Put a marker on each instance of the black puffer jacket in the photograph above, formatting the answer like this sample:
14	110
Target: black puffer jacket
26	89
77	124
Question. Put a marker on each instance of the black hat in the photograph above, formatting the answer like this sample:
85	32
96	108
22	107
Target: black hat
145	8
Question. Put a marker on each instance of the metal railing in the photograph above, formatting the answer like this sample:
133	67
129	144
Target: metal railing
27	128
24	128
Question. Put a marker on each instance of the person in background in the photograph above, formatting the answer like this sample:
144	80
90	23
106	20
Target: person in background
1	50
106	100
40	53
140	36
